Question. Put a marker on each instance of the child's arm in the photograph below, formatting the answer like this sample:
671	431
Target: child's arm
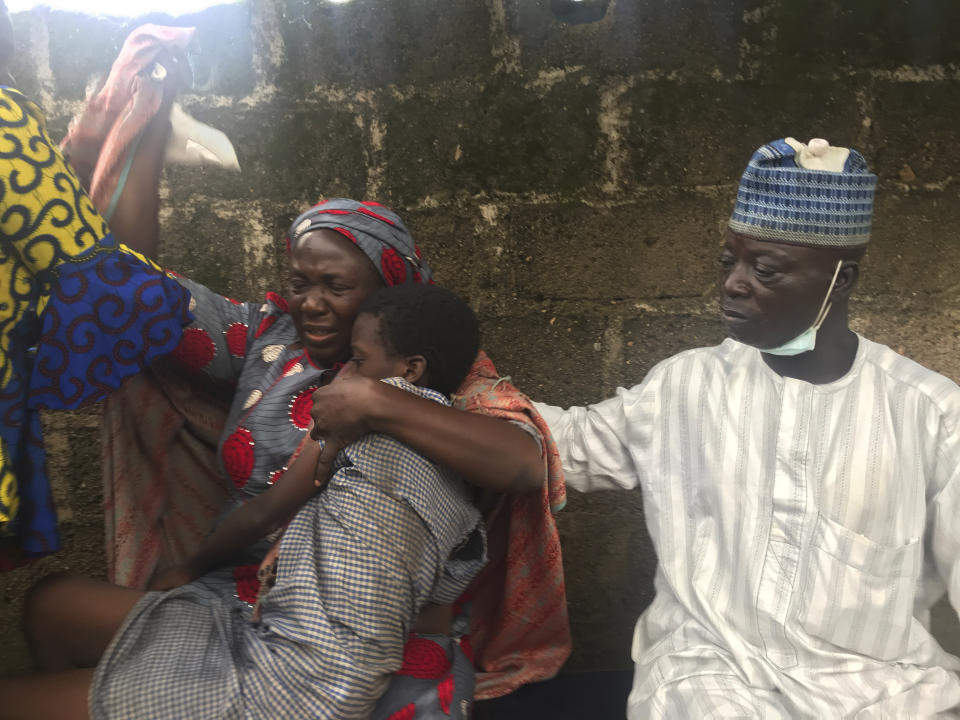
256	518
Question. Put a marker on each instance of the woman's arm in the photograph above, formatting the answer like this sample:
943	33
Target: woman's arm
256	518
485	451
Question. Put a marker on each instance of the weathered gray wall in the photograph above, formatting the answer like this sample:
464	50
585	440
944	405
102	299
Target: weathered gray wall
571	181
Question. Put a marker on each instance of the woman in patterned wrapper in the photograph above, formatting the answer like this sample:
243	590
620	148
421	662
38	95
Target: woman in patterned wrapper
271	358
390	531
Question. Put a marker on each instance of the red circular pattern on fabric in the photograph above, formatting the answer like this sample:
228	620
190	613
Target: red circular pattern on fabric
275	475
196	349
235	302
280	302
289	366
247	582
416	276
300	408
424	659
371	203
238	456
404	713
394	270
445	693
237	339
347	234
265	325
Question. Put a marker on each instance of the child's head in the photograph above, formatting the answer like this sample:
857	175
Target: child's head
423	333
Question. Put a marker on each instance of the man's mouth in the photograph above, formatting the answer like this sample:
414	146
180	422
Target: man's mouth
731	315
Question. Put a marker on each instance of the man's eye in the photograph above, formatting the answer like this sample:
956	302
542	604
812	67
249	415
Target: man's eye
725	261
764	272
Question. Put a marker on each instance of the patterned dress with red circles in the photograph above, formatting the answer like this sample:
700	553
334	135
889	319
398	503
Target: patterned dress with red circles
251	347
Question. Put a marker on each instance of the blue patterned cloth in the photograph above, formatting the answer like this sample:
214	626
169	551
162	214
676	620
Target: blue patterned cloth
779	200
79	313
390	532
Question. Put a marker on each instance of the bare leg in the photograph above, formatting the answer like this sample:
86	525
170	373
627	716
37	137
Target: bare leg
70	620
51	696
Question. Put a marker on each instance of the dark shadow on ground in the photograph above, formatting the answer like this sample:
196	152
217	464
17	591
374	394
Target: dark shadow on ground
572	696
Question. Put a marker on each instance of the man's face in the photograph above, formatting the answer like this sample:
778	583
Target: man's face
329	278
771	292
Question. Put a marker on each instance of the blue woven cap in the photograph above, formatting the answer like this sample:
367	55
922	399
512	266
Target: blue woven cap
806	194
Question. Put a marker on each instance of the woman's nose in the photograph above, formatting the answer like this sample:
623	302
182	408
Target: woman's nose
315	302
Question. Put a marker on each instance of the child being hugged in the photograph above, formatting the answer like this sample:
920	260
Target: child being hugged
390	532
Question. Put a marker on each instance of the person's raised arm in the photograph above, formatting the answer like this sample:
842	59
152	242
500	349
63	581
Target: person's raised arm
135	220
485	451
256	518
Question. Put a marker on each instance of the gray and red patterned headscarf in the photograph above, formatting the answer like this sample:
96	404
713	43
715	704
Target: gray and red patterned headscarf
376	230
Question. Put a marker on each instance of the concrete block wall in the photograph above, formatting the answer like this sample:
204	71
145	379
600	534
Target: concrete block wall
572	181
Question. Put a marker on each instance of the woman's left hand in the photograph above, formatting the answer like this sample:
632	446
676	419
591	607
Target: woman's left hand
342	410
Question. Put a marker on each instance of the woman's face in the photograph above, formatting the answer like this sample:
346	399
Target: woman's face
329	278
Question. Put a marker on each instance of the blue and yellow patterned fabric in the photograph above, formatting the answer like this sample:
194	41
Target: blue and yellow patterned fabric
79	312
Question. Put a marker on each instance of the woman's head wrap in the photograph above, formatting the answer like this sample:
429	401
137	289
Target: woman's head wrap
807	194
377	231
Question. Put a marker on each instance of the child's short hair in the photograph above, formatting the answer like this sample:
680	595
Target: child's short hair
421	319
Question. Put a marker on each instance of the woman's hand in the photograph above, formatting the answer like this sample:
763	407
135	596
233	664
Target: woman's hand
342	411
171	578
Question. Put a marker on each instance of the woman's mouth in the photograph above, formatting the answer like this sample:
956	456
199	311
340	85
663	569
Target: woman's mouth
318	336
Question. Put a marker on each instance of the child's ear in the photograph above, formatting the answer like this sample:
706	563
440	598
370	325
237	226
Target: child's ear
416	368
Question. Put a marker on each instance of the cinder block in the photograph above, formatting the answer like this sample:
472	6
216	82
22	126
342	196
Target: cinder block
662	245
685	35
366	43
916	137
490	137
609	564
705	133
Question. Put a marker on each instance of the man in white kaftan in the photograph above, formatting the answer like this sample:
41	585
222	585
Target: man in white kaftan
803	497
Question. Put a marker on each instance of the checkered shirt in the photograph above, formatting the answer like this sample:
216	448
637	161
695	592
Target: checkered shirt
390	532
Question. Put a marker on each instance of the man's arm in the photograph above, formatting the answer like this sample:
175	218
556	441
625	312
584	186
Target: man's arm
256	518
595	441
943	533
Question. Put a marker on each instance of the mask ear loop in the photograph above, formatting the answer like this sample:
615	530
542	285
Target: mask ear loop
825	307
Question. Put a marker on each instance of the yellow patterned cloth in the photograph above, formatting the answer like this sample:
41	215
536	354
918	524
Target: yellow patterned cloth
78	312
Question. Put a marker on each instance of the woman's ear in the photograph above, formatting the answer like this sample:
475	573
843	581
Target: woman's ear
416	368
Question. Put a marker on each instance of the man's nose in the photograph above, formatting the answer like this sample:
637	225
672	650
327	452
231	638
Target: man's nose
734	283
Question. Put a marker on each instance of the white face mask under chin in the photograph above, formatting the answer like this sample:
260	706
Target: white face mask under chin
807	340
